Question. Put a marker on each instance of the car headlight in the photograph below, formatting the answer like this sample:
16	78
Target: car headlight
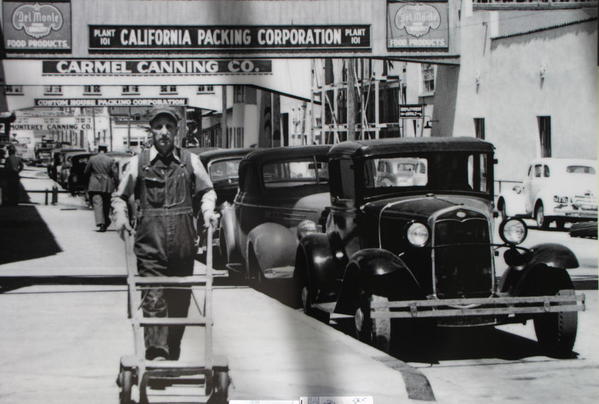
306	227
418	234
560	199
513	231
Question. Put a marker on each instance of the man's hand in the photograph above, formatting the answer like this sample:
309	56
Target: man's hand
210	218
122	227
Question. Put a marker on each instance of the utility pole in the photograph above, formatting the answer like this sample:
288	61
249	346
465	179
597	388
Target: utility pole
351	101
223	119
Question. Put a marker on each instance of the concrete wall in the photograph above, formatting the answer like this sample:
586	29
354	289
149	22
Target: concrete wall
499	79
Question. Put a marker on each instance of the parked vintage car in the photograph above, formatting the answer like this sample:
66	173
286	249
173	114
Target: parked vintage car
223	167
58	159
63	174
560	190
76	181
394	255
278	189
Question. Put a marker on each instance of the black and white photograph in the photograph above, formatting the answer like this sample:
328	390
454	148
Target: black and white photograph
299	201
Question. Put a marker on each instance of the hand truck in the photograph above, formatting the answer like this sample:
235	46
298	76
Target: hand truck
166	381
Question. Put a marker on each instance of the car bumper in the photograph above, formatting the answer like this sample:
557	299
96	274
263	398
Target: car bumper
590	213
285	272
565	301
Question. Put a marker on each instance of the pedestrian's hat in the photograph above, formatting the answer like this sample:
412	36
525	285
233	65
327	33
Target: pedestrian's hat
163	110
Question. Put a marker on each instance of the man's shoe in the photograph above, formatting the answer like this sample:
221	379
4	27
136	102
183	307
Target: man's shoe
156	354
102	228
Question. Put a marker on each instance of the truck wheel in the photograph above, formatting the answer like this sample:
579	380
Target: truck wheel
373	331
556	332
306	294
542	220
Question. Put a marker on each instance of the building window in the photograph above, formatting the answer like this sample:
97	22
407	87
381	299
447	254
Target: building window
545	135
235	137
130	90
205	89
428	78
14	90
168	89
479	128
53	90
95	89
238	94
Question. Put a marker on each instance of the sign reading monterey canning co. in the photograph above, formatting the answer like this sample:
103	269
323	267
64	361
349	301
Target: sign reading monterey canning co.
38	26
421	25
246	38
145	67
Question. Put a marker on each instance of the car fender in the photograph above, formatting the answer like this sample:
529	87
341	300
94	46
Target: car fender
273	245
545	196
544	273
227	232
316	260
376	271
553	255
515	204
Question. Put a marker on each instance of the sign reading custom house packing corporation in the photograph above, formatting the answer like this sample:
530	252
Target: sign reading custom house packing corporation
422	25
246	38
37	26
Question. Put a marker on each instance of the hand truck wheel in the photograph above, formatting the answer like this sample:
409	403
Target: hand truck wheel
126	384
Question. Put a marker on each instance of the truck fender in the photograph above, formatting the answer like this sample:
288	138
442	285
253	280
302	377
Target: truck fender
227	241
376	271
541	280
317	260
273	246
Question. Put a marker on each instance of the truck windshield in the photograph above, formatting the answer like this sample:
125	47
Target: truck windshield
446	171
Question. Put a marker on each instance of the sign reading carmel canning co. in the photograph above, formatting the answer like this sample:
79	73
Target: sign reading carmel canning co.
147	67
287	37
39	26
108	102
421	25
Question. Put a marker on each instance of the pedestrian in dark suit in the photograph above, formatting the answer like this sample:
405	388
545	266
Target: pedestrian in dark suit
103	176
13	167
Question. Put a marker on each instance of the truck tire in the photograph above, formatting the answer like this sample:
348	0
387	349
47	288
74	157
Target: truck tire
377	332
542	220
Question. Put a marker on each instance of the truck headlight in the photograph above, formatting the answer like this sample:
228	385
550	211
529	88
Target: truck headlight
418	234
513	231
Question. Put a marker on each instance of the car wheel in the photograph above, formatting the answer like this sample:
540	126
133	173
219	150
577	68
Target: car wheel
255	272
306	297
374	331
556	332
502	210
542	220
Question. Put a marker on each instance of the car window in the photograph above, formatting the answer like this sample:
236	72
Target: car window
224	170
538	170
397	172
545	171
295	173
580	169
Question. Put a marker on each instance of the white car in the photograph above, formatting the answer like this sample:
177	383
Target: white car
560	190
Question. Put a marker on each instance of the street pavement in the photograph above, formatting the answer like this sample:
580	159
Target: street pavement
62	340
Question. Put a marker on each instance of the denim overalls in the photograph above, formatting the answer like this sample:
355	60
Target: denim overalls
164	241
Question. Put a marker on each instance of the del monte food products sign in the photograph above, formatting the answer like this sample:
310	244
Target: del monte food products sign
37	26
418	19
37	20
419	25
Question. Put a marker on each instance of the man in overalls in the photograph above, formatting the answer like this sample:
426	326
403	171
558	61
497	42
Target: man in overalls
165	180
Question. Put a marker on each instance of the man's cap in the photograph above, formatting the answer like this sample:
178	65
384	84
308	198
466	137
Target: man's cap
164	110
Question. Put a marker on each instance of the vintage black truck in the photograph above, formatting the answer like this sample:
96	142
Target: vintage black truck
392	253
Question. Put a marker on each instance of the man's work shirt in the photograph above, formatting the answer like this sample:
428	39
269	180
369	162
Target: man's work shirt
165	188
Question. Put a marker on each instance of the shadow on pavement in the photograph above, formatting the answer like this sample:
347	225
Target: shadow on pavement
23	233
